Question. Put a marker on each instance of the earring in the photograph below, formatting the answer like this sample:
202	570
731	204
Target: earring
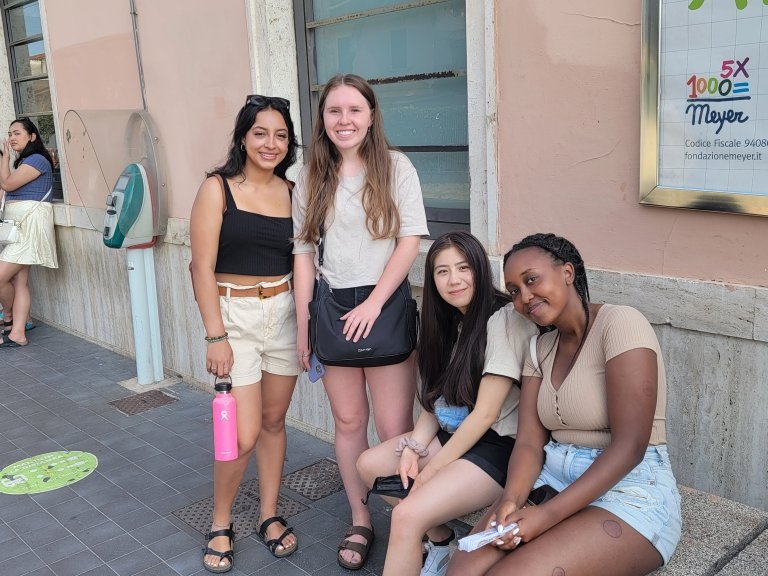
242	147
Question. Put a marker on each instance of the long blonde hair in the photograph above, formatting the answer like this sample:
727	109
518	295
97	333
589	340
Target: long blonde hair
383	220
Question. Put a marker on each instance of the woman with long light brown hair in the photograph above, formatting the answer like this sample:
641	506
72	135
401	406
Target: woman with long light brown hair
364	199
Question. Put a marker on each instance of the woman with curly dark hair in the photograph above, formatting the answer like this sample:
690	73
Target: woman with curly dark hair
242	266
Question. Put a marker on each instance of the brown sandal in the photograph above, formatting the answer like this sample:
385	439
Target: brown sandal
361	549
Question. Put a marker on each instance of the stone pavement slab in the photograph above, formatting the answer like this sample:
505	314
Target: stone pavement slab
131	515
144	508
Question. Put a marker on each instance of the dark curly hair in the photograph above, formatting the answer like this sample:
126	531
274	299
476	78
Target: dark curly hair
235	162
561	250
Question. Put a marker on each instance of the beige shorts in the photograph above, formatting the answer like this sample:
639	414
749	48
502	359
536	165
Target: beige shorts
262	334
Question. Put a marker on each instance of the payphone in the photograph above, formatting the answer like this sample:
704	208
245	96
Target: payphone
129	220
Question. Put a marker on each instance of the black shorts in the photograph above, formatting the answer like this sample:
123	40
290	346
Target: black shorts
490	453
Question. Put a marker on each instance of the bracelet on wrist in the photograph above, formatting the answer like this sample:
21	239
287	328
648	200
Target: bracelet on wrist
408	442
214	339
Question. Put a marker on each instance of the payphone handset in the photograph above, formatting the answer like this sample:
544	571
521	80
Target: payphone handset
129	220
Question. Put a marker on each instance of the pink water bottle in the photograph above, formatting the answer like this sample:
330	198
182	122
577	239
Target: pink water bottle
224	422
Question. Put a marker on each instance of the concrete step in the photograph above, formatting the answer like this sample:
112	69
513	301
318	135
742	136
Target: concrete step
720	537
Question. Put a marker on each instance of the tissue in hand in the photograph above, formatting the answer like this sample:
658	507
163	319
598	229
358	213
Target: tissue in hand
475	541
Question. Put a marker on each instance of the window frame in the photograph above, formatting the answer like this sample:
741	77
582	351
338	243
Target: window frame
441	219
5	7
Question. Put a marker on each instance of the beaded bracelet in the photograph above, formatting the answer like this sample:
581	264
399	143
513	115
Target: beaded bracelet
214	339
408	442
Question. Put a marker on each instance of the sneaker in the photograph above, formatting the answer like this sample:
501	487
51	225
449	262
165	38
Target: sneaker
436	563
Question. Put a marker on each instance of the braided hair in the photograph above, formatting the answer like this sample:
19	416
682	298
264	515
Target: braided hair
561	251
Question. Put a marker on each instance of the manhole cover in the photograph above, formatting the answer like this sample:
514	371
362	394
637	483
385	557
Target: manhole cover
316	481
46	472
245	510
138	403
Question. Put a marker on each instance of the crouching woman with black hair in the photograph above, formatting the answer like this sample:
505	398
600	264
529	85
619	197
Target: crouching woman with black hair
592	427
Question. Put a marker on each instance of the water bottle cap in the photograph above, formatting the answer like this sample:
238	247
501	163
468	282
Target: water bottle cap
223	386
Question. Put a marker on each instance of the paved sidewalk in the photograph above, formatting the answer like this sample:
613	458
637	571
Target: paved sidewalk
143	510
146	506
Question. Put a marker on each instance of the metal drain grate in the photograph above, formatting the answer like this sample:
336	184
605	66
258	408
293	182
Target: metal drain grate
245	510
316	481
138	403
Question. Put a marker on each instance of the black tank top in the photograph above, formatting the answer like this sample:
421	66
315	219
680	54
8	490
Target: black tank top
252	244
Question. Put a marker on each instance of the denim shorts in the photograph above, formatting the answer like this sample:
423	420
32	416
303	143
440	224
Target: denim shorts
647	498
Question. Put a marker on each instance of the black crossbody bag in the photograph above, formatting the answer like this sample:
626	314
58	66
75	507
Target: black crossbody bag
391	340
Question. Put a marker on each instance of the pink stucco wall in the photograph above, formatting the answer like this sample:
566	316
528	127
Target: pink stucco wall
196	67
568	149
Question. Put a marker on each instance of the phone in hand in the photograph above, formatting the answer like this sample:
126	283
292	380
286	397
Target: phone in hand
541	494
389	486
316	369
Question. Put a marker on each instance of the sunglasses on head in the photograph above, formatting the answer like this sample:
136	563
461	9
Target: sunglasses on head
273	101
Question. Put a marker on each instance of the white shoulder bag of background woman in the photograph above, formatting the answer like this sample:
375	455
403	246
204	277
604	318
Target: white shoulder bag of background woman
9	230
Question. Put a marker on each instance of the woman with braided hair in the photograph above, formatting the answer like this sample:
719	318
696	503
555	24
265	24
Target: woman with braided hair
591	427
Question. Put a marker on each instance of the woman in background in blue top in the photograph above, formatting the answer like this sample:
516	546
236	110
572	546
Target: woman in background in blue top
28	201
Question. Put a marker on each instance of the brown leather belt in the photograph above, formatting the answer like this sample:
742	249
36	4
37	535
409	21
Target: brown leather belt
257	292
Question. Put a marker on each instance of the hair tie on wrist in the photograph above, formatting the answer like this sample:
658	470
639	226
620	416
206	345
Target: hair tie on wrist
408	442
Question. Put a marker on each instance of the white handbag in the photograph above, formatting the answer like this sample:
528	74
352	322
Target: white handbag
9	230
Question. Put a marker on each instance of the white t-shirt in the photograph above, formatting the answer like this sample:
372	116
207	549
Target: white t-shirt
351	256
508	336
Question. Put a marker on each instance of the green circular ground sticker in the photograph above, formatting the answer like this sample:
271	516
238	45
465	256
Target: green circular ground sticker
46	472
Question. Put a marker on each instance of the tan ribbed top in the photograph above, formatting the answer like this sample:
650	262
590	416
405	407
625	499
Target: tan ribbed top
577	413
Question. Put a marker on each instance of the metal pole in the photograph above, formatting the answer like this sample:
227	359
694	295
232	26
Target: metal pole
154	317
135	26
137	282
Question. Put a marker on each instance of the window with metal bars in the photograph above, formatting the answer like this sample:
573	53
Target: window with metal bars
28	65
415	56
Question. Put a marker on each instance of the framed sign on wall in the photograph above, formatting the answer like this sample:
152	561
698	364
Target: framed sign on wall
704	110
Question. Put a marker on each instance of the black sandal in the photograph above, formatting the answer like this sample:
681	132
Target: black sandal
226	555
275	542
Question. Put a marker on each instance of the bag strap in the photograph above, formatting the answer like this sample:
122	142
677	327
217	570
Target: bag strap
40	202
321	249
